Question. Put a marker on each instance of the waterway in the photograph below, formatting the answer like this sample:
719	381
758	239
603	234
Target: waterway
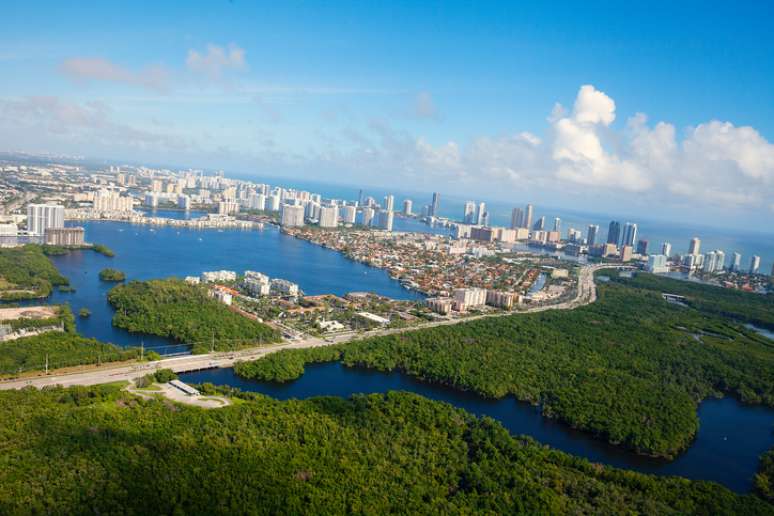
146	252
731	437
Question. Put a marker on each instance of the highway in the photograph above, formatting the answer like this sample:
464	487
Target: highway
586	293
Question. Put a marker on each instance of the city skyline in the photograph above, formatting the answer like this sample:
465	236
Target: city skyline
220	97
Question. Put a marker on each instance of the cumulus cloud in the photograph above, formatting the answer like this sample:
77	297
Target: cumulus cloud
85	69
424	106
216	60
715	162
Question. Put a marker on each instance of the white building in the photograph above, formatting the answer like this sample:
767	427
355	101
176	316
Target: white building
385	219
657	263
284	287
407	206
368	216
184	202
736	262
228	207
666	249
273	202
292	215
43	216
257	202
755	264
210	276
110	200
256	283
329	216
348	214
466	298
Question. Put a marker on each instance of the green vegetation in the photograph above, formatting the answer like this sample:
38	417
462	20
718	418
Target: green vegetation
109	274
62	349
26	273
84	312
287	364
764	480
757	309
630	368
103	451
173	308
160	376
103	249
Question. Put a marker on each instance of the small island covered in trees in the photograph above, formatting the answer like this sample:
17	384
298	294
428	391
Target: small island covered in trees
186	313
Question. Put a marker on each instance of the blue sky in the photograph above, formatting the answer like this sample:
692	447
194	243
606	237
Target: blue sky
455	96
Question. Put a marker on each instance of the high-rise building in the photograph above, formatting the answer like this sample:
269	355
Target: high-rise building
695	246
517	218
629	234
470	213
614	232
64	236
481	213
110	200
626	253
435	206
368	215
540	225
389	202
329	216
43	216
642	247
720	260
528	217
348	214
657	263
292	215
407	205
591	235
755	264
736	262
710	260
257	202
666	249
558	224
385	219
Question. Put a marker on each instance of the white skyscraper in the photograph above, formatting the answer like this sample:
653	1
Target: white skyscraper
43	216
407	206
695	246
528	217
481	214
720	260
558	224
368	216
385	219
710	260
666	249
755	264
389	201
292	215
470	213
736	262
329	216
348	214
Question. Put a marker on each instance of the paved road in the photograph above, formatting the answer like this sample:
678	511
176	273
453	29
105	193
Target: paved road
586	293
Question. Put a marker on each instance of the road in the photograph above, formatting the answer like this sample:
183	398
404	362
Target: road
586	293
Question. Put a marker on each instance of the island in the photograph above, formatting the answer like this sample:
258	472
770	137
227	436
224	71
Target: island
27	273
186	313
109	274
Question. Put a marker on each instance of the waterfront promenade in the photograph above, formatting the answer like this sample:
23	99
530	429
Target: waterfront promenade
585	294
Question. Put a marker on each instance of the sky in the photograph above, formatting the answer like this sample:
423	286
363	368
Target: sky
658	109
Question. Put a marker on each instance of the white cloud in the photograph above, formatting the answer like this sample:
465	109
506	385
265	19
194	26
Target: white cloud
714	163
53	121
216	60
593	107
84	69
